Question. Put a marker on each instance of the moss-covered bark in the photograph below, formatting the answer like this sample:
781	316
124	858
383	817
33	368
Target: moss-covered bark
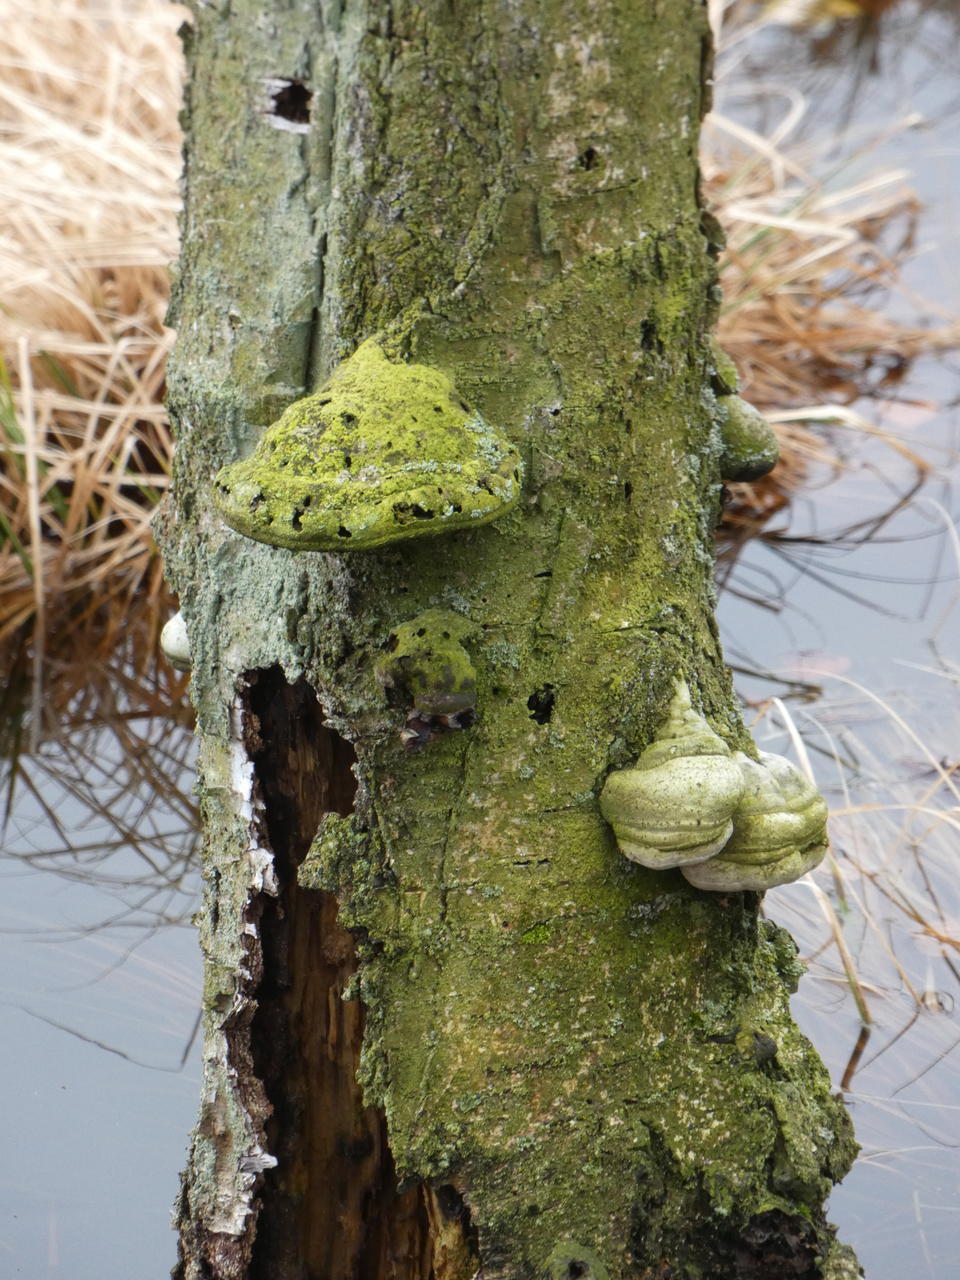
584	1068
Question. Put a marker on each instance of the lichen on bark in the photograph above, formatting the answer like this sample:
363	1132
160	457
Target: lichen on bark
578	1061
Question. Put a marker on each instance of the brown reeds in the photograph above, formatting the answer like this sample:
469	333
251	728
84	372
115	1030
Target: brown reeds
804	272
90	151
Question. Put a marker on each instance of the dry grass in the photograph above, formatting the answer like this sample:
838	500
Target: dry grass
90	142
804	273
810	260
90	150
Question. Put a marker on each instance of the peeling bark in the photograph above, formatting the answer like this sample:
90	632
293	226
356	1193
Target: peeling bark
449	1030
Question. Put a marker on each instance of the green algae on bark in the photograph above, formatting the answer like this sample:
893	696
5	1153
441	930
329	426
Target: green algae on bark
383	452
549	1030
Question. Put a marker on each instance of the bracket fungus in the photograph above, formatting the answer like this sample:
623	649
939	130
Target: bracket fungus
779	830
750	444
675	806
175	643
728	822
385	451
428	667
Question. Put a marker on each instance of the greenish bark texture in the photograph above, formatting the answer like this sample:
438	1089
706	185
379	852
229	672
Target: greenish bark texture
580	1067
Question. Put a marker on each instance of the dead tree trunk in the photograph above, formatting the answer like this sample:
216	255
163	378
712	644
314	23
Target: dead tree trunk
450	1031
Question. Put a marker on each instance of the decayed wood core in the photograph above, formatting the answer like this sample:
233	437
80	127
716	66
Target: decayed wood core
331	1209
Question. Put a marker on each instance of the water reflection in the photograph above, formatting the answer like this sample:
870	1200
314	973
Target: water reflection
101	978
841	618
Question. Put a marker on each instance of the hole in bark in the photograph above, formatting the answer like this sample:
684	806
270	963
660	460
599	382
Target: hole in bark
544	573
451	1204
541	703
291	101
576	1270
587	159
648	336
344	532
627	491
332	1206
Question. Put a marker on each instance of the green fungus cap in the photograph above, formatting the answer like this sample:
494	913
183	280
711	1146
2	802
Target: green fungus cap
779	830
428	663
383	452
750	444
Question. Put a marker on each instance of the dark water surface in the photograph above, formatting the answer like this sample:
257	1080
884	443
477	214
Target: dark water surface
101	971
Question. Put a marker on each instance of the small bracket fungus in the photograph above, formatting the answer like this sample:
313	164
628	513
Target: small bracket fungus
750	444
175	643
779	830
675	806
383	452
428	667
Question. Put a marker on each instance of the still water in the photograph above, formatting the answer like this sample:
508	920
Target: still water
101	978
851	596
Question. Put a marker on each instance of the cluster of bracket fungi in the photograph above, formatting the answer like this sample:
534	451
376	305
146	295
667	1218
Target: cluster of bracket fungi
728	822
387	451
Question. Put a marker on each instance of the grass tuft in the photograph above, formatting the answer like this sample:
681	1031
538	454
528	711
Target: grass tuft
90	146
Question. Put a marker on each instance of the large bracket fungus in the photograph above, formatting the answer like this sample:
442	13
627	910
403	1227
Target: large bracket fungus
728	822
779	830
385	451
675	806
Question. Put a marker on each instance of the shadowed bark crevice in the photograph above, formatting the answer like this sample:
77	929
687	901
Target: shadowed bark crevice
331	1209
